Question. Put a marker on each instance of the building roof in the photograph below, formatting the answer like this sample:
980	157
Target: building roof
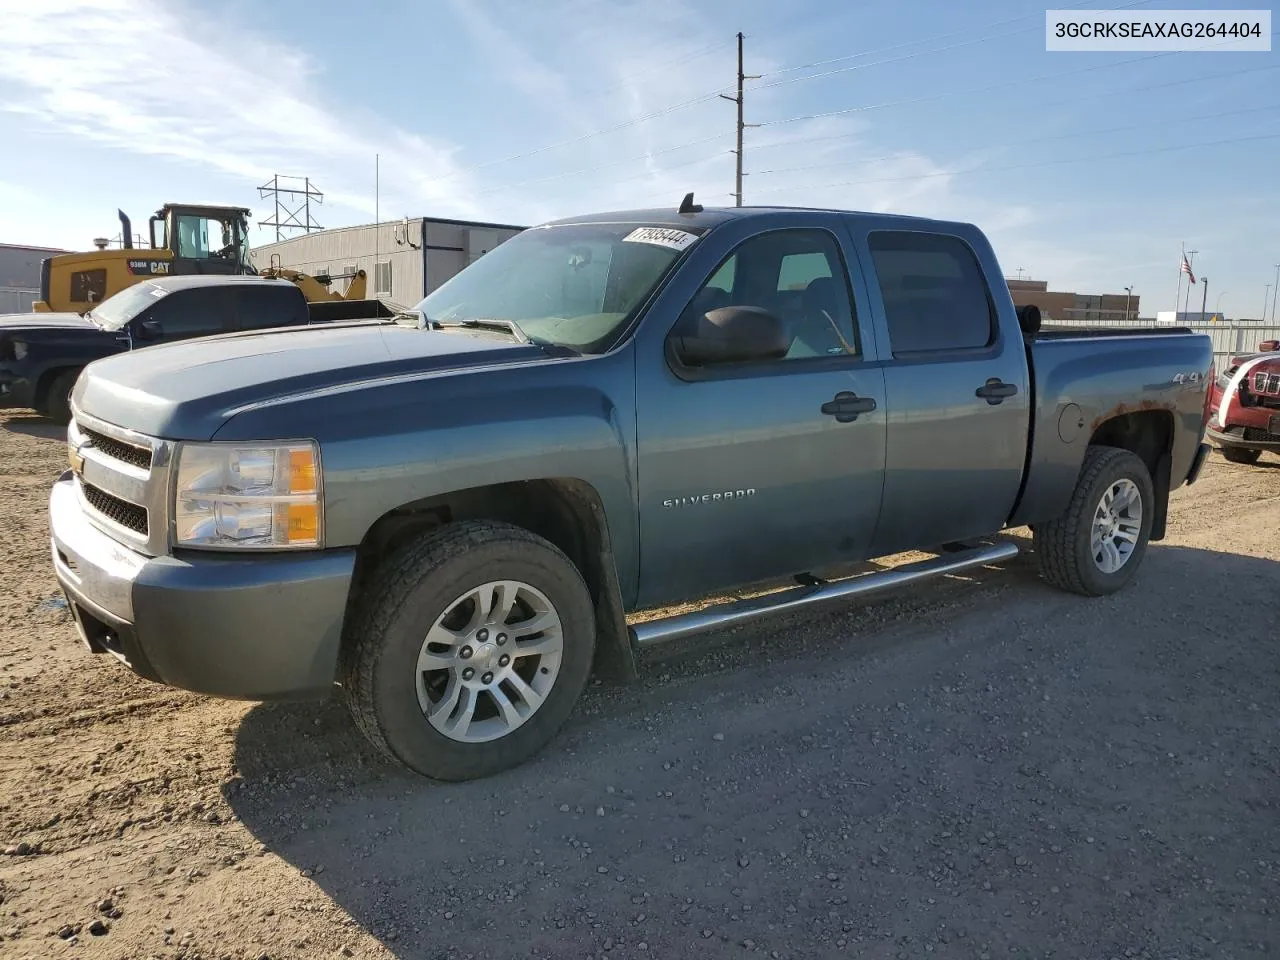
480	224
28	246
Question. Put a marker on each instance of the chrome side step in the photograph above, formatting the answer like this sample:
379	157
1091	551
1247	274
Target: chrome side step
653	632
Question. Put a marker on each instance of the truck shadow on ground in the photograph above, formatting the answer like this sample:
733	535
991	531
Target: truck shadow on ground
641	809
34	425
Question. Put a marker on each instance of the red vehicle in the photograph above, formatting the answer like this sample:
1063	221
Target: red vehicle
1244	405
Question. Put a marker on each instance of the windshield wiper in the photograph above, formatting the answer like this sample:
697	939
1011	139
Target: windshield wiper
508	326
485	323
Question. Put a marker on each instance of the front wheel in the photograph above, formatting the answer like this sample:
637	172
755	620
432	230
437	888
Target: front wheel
57	399
1097	544
469	651
1241	455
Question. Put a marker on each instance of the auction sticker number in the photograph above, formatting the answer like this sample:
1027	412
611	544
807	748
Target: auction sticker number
661	236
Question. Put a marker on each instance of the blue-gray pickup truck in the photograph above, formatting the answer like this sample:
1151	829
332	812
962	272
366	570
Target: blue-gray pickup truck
449	516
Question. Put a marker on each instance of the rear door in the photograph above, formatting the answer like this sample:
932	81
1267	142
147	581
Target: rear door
957	389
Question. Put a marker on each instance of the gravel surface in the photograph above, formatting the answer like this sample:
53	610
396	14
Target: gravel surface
983	767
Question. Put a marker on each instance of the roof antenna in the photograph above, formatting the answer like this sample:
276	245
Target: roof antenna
688	206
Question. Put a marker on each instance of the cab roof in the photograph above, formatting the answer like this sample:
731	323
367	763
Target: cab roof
708	217
187	281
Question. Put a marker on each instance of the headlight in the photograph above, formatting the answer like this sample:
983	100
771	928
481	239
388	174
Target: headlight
262	496
1224	378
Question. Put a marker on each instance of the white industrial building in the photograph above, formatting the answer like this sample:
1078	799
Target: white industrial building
20	275
404	259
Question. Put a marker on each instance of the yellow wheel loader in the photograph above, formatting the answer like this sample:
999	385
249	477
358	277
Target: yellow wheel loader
185	238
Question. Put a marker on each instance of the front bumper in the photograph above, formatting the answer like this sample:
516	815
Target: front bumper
1227	439
258	627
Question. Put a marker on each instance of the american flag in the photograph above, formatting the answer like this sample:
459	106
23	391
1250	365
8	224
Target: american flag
1186	268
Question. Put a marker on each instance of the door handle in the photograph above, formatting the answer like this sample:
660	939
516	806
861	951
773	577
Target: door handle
846	406
994	391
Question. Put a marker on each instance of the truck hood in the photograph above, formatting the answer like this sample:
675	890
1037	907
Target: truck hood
20	323
187	390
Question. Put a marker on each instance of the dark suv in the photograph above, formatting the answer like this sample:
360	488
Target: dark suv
42	354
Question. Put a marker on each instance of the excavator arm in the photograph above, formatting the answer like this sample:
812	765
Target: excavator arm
316	289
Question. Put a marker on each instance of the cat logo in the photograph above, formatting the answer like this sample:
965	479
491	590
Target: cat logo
148	267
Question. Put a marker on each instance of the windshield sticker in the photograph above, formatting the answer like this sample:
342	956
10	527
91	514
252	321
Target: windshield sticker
661	236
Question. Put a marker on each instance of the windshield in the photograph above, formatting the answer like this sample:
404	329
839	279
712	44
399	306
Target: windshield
573	285
201	236
115	311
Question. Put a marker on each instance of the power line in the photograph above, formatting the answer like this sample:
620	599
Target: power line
1020	143
987	89
1051	103
599	166
662	65
1043	163
942	36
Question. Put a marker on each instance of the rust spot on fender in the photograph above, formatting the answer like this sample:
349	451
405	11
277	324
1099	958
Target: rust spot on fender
1120	409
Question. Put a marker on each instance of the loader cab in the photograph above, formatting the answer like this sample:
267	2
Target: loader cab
203	239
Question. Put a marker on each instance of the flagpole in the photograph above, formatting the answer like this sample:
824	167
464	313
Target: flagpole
1191	278
1178	295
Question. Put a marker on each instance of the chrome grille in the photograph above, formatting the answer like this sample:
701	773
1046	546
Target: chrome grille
137	456
1266	383
128	515
123	481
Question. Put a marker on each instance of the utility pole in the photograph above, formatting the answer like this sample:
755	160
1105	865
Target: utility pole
1204	297
1266	295
1273	299
1128	293
737	194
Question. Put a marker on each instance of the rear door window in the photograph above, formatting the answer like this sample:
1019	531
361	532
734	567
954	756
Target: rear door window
935	295
268	306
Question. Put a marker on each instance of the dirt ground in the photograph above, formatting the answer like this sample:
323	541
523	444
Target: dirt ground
980	768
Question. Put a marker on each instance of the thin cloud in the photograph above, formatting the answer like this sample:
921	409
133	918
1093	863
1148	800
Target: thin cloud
89	69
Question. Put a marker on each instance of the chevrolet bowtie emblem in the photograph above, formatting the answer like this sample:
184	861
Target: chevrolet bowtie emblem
76	458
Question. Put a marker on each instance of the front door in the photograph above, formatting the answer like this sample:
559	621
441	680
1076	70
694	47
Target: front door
761	470
957	392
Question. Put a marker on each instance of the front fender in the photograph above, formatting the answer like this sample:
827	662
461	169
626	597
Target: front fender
388	445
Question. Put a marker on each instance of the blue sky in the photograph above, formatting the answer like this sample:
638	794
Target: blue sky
493	109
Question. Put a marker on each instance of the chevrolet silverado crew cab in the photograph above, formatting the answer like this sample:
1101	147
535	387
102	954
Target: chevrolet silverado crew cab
450	514
42	354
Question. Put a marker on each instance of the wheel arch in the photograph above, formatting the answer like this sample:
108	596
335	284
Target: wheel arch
1148	434
45	381
566	511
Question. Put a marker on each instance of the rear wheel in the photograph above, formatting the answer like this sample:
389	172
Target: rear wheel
1241	454
1098	543
470	650
57	399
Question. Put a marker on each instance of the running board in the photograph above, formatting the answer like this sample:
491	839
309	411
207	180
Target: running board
653	632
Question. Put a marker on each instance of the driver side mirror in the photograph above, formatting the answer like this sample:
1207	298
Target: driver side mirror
733	335
150	330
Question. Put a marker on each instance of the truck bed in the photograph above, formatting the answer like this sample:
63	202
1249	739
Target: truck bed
1072	333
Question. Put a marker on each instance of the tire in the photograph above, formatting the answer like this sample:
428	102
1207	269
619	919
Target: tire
57	399
1241	455
430	586
1065	546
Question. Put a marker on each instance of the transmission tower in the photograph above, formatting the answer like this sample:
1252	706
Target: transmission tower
292	197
